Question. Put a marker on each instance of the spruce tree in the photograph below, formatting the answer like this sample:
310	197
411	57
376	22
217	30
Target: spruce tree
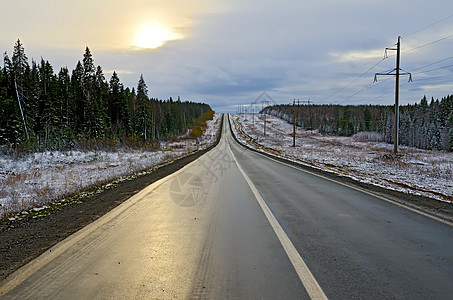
19	61
116	105
78	100
143	118
66	113
88	83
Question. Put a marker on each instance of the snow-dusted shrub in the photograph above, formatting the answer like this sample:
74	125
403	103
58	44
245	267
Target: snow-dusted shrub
368	136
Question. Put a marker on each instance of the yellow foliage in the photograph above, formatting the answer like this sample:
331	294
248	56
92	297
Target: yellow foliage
196	131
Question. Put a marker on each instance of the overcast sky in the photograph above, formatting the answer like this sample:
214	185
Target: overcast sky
227	53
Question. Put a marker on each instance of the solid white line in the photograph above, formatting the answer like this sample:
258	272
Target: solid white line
362	190
312	287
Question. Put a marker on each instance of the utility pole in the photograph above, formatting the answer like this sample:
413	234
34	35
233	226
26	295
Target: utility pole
264	98
397	93
264	102
253	115
397	86
294	123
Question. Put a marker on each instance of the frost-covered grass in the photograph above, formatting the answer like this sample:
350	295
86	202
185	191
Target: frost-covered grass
421	172
37	179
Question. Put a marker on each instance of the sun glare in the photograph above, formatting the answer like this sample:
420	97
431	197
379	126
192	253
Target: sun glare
154	36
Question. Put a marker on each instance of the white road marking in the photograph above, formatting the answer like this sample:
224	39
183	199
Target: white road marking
361	190
312	287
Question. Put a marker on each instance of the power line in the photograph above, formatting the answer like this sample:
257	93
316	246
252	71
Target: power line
415	80
427	26
367	87
435	77
386	56
357	78
430	43
361	90
428	65
440	68
371	85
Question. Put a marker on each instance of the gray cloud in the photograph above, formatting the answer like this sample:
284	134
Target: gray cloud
291	49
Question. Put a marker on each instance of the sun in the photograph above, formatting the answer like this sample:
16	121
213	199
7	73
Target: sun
153	36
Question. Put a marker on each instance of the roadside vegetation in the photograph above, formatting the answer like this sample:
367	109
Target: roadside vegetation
41	110
414	171
67	133
423	125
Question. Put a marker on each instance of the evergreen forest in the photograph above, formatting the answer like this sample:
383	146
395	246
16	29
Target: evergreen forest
44	110
424	125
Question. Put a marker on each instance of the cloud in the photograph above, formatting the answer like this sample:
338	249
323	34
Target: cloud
355	55
443	86
232	51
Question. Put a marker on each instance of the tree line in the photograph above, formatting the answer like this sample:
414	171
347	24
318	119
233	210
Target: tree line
422	125
41	109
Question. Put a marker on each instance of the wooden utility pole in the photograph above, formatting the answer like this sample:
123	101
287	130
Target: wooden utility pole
397	87
264	112
397	93
294	123
253	116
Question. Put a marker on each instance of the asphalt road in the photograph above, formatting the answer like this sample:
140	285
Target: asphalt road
237	225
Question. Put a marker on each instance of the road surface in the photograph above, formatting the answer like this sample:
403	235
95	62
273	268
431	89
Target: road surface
237	225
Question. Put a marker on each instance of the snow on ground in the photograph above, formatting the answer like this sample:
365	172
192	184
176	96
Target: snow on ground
420	172
36	179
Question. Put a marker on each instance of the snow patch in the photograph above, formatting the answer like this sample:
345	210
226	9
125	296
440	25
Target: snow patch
33	180
416	171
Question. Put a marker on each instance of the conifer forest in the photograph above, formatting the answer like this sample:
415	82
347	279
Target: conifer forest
424	125
41	109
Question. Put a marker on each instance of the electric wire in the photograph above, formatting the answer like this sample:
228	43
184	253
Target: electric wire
406	51
357	78
402	85
440	68
435	77
367	87
427	44
427	26
430	64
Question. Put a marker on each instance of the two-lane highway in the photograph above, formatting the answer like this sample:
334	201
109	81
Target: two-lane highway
355	244
236	224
